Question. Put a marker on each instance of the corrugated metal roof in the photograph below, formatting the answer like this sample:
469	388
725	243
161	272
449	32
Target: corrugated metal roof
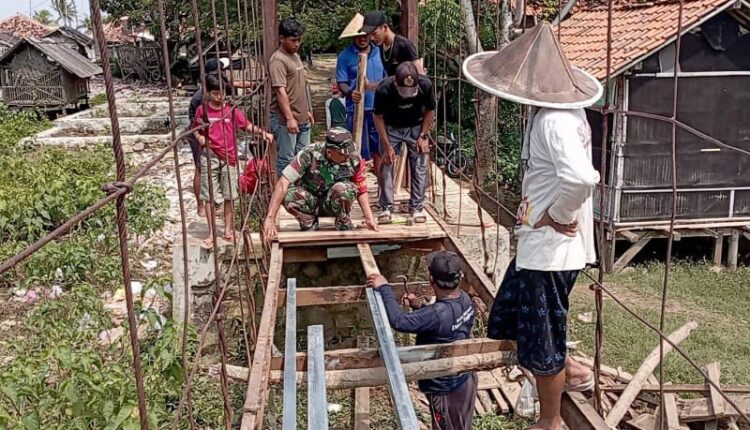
68	59
638	30
74	34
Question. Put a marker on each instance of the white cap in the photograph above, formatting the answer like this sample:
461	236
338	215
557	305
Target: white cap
224	63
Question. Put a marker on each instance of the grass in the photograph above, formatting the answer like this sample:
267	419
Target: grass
98	99
717	301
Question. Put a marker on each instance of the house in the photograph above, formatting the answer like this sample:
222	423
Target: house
39	73
20	25
74	40
713	182
6	41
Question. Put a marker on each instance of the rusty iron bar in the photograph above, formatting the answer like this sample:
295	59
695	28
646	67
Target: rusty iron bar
477	185
673	215
122	224
183	222
664	337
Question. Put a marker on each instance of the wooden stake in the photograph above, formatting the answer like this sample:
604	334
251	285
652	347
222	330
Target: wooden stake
359	108
362	399
647	367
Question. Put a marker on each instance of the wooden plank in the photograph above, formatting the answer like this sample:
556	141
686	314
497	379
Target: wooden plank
681	388
670	413
400	397
579	414
376	376
694	410
718	249
733	250
400	168
391	233
629	235
644	371
511	390
257	387
643	422
317	405
631	252
409	20
362	399
502	404
304	255
322	296
359	108
357	358
484	398
717	402
618	373
479	408
290	354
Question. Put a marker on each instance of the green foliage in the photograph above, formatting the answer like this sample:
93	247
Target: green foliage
98	99
14	126
61	378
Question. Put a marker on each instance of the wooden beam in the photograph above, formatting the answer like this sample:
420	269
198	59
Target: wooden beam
631	252
317	405
718	249
304	255
359	108
475	277
733	250
409	22
400	168
629	235
644	371
323	296
717	402
334	237
681	388
579	414
376	376
257	387
695	410
358	358
400	396
290	350
362	399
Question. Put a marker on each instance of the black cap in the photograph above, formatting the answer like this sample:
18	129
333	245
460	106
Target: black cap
407	75
373	20
445	268
341	139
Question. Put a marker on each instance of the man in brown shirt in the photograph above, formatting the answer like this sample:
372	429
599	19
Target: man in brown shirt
291	118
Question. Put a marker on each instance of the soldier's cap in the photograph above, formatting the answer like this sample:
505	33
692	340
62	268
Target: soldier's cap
340	139
445	268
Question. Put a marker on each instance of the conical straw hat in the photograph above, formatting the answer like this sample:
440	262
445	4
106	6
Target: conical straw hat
352	29
533	70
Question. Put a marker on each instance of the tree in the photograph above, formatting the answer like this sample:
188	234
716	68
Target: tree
43	17
66	10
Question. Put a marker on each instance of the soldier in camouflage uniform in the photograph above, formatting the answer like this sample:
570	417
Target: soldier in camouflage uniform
324	179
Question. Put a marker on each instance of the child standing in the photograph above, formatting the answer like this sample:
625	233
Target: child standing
220	144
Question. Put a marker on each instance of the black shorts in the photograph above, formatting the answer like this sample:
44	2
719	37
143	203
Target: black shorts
195	148
531	308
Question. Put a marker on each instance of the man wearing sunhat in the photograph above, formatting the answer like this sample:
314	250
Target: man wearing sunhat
324	179
449	319
347	65
555	218
404	108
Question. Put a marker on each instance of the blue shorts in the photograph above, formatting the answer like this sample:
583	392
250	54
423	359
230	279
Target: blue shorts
370	137
531	308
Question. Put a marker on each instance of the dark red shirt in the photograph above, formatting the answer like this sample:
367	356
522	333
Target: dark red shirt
221	133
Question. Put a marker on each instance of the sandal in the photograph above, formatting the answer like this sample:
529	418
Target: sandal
385	218
418	217
583	386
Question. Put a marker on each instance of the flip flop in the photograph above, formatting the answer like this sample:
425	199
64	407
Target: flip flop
385	219
583	386
419	219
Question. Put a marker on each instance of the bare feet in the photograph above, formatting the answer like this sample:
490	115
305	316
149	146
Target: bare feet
208	243
201	210
229	237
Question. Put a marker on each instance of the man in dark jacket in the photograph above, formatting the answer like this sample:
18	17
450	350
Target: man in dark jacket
450	318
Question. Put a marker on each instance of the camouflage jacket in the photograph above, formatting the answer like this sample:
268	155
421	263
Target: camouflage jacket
311	169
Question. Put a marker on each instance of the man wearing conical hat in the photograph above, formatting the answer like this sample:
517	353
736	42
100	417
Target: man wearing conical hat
347	65
555	218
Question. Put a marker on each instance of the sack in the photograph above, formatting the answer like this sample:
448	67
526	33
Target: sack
254	171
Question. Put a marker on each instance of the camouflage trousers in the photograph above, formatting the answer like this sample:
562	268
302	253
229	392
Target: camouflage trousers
307	207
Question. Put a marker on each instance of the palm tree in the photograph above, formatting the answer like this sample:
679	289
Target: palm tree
66	10
86	24
43	17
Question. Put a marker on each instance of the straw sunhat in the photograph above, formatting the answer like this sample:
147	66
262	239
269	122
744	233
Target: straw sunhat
353	28
533	70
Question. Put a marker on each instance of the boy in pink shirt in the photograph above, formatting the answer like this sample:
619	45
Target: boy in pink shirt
222	145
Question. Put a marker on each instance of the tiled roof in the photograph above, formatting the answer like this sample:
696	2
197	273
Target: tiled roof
23	26
637	31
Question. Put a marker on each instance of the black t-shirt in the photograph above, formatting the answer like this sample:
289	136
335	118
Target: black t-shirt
402	50
399	112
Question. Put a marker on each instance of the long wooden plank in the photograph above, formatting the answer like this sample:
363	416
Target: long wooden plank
317	405
717	402
400	397
694	410
681	388
290	353
579	414
357	358
377	376
323	296
257	386
362	399
359	108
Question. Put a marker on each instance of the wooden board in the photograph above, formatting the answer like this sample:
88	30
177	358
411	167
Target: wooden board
257	387
362	399
290	352
322	296
579	414
717	402
317	405
694	410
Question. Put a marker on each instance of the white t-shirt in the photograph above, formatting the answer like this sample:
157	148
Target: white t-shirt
559	178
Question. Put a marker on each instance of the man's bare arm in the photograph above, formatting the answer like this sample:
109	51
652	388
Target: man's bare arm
277	197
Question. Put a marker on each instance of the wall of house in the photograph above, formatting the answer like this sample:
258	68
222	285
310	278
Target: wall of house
712	98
